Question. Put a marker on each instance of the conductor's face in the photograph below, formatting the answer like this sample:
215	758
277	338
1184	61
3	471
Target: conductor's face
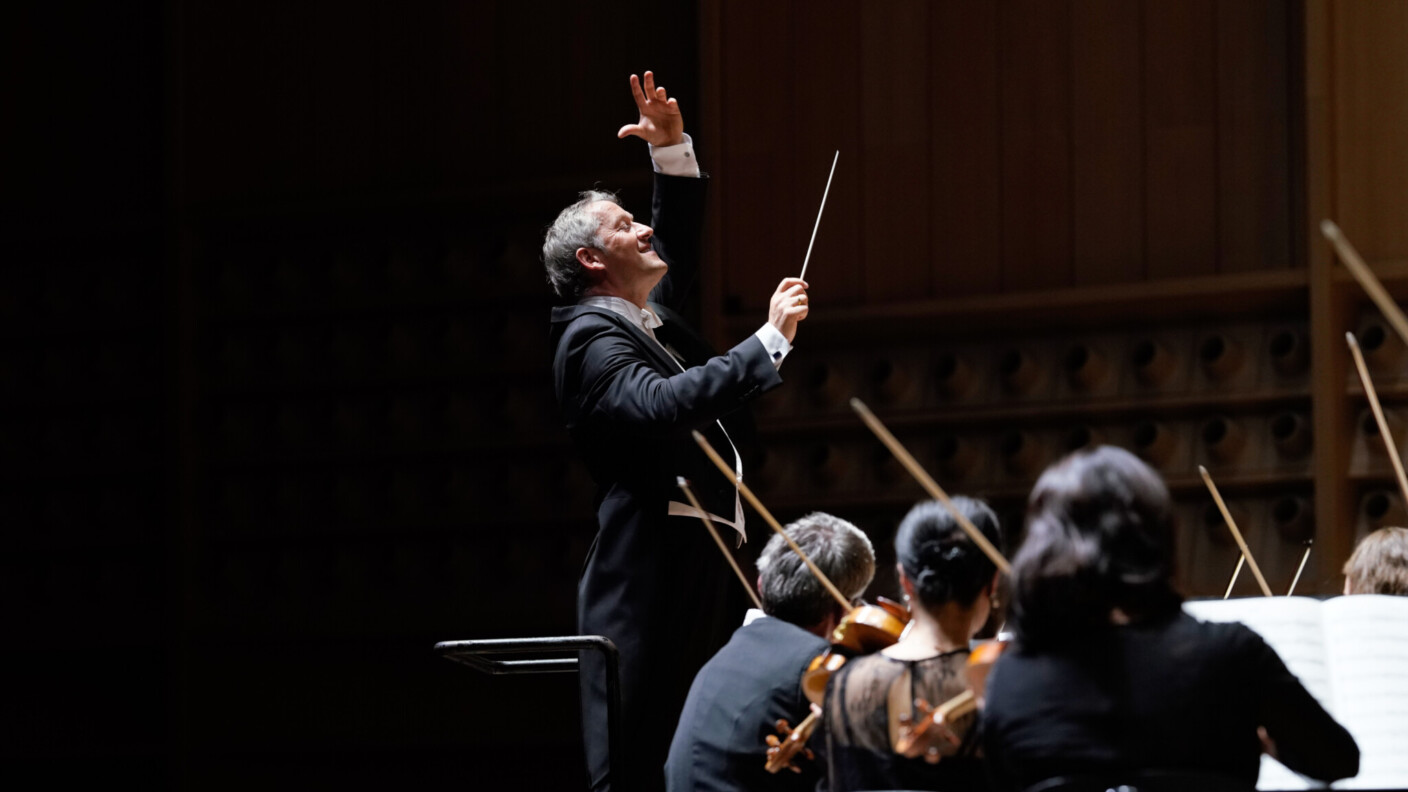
625	252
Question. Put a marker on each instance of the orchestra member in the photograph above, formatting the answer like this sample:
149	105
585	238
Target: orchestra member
1379	564
653	582
755	680
949	584
1107	676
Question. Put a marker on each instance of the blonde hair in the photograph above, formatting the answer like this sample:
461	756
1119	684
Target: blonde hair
1379	563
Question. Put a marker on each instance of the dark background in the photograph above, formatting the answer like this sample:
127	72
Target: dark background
277	366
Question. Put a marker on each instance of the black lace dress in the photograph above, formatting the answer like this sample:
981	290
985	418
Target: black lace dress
857	725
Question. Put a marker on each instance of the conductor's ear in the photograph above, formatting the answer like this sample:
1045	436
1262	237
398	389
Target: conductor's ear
590	258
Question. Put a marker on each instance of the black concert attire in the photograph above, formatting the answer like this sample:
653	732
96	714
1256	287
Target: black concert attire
1174	694
736	699
653	583
859	702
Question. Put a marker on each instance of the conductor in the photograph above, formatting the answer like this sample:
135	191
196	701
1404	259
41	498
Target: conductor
632	383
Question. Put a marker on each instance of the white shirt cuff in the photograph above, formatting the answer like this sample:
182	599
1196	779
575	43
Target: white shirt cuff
774	342
676	160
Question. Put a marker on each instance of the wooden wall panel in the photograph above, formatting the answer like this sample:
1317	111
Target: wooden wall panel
1035	74
1107	127
1181	136
756	218
1371	109
965	149
894	160
1253	191
1356	116
1070	143
825	117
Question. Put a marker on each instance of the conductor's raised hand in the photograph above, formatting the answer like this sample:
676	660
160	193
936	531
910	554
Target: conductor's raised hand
660	121
788	306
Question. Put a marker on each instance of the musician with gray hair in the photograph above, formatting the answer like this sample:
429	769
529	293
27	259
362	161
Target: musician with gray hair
755	680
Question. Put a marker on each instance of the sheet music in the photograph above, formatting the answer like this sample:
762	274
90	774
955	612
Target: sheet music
1351	653
1291	625
1366	639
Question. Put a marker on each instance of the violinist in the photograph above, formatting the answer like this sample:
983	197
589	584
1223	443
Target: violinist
950	585
632	382
1109	678
1379	564
755	679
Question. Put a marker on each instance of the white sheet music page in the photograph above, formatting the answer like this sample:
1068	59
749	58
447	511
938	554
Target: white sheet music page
1367	645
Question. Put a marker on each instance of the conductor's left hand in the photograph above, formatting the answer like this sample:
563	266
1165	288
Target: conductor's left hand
660	121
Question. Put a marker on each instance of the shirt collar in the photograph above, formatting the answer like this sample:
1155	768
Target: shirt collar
643	318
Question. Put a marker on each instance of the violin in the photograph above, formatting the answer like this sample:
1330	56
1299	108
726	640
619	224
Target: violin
918	733
870	628
866	628
788	743
916	736
980	662
863	630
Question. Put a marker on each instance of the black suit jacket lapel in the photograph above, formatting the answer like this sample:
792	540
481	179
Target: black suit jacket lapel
664	364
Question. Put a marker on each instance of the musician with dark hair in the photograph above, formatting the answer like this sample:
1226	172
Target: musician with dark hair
950	585
1108	676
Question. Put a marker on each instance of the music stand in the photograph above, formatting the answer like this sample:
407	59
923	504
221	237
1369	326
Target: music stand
484	655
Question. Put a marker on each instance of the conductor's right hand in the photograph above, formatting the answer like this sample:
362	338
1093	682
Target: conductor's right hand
788	307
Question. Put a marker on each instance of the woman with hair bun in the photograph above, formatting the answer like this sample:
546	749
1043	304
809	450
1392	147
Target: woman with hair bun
1109	679
949	584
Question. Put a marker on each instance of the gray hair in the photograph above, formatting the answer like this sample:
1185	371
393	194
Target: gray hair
575	227
789	589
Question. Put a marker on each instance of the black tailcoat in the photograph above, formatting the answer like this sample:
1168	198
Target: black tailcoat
653	584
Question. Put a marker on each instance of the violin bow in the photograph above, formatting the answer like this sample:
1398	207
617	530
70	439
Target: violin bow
683	484
1236	534
824	193
769	519
1390	444
1301	568
932	487
1241	561
1361	272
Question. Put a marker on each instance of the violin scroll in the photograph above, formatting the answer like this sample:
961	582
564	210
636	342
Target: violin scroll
788	743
